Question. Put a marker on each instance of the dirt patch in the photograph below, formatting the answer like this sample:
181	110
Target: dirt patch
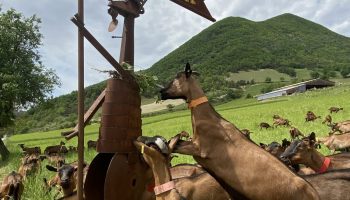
153	107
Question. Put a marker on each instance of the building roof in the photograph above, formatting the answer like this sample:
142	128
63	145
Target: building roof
313	82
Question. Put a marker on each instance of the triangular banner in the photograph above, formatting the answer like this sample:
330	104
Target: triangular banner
196	6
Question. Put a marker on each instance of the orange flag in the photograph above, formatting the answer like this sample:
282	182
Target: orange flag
196	6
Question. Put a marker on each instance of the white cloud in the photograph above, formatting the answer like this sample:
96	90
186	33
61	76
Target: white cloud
163	28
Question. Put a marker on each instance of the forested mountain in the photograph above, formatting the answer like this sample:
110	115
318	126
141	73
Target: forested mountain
283	43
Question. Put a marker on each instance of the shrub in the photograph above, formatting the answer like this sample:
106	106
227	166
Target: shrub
268	80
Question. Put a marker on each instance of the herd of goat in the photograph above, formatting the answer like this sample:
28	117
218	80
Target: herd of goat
299	154
66	177
230	165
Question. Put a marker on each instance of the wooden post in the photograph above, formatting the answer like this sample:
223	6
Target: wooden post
80	102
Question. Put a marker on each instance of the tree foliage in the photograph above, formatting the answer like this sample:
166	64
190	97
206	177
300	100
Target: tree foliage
24	80
314	74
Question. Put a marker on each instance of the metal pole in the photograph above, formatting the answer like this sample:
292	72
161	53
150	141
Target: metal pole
127	46
80	102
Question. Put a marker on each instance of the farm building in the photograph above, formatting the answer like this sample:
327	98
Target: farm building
298	87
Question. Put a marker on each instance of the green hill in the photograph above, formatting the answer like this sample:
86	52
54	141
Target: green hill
287	47
283	43
59	112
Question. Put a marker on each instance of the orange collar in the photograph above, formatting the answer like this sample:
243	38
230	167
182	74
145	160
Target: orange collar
324	166
194	103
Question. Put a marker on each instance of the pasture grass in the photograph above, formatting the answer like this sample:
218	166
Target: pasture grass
244	113
258	75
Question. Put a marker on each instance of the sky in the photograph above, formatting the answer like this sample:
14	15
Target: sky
161	29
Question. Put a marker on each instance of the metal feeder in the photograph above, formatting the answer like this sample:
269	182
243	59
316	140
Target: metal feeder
117	171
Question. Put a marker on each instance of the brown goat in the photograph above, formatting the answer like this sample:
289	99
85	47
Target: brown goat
304	152
336	142
281	122
56	160
332	185
327	120
202	186
67	178
30	165
91	144
277	149
341	127
56	149
12	187
264	125
30	150
220	148
295	133
334	109
310	116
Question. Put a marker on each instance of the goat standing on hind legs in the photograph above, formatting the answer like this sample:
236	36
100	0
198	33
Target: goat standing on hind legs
199	187
220	148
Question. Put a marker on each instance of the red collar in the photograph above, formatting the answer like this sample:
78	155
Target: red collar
324	166
194	103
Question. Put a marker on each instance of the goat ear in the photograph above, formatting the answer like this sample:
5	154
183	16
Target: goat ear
285	143
50	168
188	70
312	138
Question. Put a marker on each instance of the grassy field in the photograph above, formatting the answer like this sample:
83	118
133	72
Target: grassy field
244	113
260	75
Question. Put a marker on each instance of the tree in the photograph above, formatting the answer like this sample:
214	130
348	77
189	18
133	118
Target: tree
345	72
24	81
314	74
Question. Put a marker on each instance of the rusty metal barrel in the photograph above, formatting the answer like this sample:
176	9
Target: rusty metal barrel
121	117
117	171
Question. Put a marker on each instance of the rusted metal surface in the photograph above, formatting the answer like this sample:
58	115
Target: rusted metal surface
80	103
126	8
196	6
117	171
87	116
95	178
121	117
127	46
126	178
